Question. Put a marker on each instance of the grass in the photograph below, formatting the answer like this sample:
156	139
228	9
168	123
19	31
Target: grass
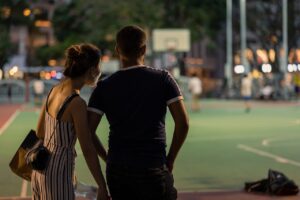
210	158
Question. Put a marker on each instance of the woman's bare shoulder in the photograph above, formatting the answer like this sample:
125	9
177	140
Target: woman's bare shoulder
78	103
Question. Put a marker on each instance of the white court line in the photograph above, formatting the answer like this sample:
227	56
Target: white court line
267	142
268	155
24	189
9	121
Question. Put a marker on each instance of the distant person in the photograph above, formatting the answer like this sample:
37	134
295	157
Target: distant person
135	100
246	91
38	89
287	86
9	92
267	92
195	87
56	181
296	80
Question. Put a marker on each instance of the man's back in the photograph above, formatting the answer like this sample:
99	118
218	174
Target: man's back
135	101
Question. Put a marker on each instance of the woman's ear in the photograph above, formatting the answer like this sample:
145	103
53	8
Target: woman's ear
117	50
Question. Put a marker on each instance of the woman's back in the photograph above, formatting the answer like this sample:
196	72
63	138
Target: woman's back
59	133
56	98
60	139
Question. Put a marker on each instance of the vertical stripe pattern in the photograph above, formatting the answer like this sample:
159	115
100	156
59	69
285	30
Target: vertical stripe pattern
56	182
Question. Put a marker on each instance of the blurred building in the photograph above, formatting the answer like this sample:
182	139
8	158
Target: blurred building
27	38
264	36
29	25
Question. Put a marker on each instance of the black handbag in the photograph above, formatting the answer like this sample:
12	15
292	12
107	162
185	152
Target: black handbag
18	163
276	184
281	185
38	157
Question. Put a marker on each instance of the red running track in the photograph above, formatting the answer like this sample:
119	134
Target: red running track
6	111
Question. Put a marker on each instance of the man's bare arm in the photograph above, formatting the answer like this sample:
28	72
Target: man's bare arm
94	120
181	121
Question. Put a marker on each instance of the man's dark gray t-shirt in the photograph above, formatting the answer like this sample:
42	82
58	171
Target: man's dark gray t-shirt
135	101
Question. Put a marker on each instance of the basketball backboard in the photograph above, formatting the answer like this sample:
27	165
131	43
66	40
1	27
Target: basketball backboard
177	40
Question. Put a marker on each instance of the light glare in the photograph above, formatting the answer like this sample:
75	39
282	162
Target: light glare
239	69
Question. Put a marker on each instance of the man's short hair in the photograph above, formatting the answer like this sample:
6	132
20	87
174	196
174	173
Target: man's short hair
130	41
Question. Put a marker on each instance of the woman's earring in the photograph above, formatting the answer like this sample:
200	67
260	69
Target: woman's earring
93	74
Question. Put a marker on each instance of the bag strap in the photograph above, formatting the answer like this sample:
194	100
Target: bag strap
48	98
64	105
61	111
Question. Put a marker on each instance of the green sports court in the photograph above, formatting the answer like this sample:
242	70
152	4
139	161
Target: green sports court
225	146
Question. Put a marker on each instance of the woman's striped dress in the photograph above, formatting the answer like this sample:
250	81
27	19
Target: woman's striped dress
56	182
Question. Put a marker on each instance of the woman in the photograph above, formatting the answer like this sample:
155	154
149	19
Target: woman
60	135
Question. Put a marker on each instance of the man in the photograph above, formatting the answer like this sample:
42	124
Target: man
9	92
195	87
134	101
38	87
246	91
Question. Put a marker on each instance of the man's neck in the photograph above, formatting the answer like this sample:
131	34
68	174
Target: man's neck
130	63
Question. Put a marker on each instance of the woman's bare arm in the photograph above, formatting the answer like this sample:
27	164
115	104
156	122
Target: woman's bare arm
40	130
79	115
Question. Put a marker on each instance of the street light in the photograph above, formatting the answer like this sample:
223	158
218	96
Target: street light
228	67
13	70
239	69
285	35
266	68
52	62
26	12
243	24
43	23
6	12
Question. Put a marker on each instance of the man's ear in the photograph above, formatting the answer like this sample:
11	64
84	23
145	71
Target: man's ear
143	50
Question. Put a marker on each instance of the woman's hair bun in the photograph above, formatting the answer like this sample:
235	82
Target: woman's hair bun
80	58
73	52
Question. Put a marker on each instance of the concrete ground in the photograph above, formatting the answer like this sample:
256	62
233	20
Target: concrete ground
230	195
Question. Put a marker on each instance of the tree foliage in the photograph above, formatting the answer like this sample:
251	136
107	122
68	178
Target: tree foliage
202	17
98	21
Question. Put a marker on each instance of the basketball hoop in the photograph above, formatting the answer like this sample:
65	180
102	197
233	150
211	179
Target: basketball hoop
171	40
171	49
171	44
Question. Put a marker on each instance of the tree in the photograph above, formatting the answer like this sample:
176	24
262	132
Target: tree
203	18
98	21
95	21
5	45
